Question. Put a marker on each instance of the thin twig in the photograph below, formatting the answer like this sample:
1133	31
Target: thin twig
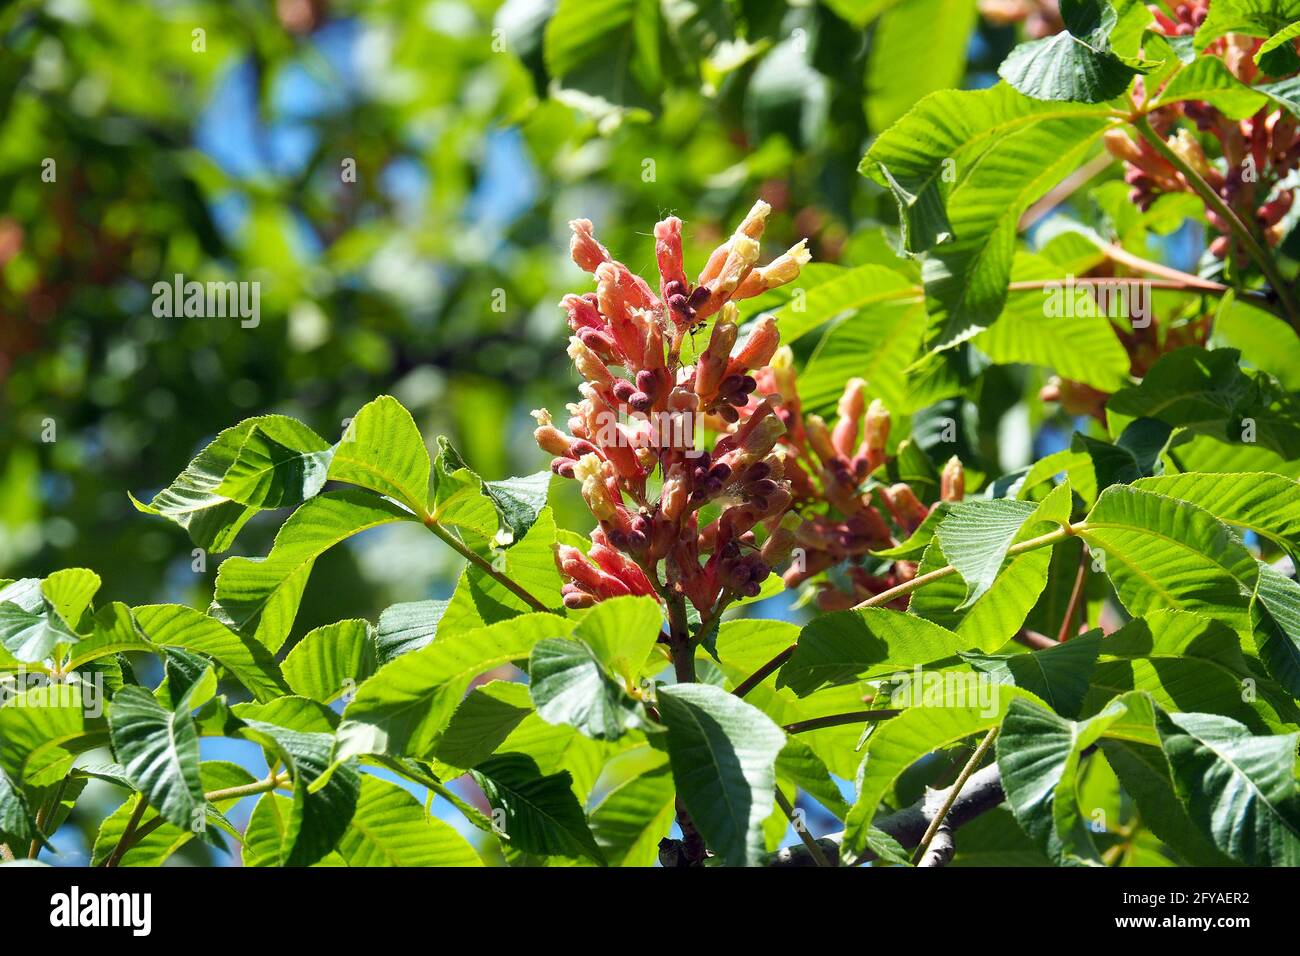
127	839
907	587
1240	231
955	790
1076	595
838	720
483	565
814	849
1064	189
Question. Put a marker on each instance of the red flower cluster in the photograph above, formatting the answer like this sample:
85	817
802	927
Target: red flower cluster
1258	152
827	469
641	414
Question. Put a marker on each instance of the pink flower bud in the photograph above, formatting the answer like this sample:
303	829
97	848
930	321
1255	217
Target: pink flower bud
586	251
819	438
668	254
850	409
760	346
712	366
875	437
952	482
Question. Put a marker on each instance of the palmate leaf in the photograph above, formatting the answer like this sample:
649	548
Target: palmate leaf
956	165
212	519
259	597
1238	788
723	753
1165	553
267	474
1076	64
847	644
538	813
403	708
160	750
899	743
407	627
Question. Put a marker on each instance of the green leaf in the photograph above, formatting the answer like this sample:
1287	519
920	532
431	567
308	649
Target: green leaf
1165	553
382	450
571	685
975	537
1267	504
605	53
1275	614
847	293
1185	662
259	597
1058	674
899	743
622	632
331	660
844	645
174	625
799	764
407	627
403	708
1207	393
723	753
1039	755
193	501
1143	770
267	474
482	722
539	814
996	615
31	635
1256	18
164	838
17	823
907	58
1208	80
957	167
633	817
877	342
390	828
1074	65
1277	55
519	501
42	726
160	750
1239	789
319	816
1074	338
1135	454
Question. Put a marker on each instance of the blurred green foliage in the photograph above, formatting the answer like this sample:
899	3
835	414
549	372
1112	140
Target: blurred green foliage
214	140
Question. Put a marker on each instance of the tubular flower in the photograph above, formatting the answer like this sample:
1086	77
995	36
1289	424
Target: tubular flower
845	512
1251	159
643	412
